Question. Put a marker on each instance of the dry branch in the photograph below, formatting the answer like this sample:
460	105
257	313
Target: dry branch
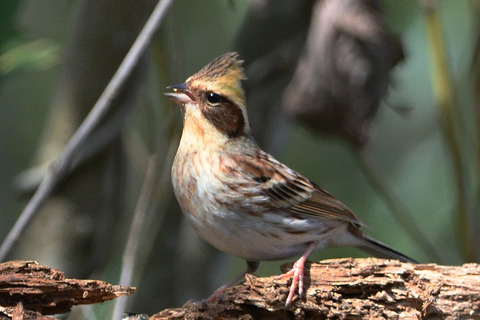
29	290
352	289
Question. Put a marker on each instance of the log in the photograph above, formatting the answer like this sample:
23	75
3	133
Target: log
351	289
29	290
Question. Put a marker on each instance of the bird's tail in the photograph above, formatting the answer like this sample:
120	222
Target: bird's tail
381	250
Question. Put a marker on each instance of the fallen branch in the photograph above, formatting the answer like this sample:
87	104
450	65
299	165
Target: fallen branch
29	290
352	289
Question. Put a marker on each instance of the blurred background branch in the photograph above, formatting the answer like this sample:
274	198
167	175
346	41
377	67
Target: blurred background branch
450	122
100	127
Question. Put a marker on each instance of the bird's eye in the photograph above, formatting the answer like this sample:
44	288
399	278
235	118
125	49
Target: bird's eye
214	98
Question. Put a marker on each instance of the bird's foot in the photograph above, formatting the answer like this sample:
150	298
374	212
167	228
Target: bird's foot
218	294
297	280
215	296
297	274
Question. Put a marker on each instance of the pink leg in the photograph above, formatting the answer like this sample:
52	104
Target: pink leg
251	267
297	274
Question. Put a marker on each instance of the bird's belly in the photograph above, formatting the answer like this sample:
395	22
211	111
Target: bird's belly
257	238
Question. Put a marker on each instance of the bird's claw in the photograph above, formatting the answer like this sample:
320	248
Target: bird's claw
297	281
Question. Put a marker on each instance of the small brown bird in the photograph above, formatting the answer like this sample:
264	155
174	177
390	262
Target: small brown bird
239	198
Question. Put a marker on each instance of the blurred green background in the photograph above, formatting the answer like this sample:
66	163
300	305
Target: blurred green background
407	144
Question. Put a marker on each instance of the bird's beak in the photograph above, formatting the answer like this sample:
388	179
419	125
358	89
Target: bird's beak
180	94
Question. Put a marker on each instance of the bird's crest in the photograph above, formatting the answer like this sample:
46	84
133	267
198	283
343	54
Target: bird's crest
222	75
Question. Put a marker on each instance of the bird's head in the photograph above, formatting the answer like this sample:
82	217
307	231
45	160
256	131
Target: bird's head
213	98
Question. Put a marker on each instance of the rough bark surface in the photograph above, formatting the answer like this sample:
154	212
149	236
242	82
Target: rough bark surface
29	290
351	289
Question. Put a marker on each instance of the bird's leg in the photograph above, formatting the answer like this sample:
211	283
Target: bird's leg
252	266
297	274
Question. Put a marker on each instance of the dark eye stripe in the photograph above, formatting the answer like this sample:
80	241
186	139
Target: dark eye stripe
225	115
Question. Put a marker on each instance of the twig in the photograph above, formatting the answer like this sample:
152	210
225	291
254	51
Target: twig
448	110
476	76
134	235
134	256
400	213
62	166
134	259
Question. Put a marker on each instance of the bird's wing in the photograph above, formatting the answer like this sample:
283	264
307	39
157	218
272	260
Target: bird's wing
291	191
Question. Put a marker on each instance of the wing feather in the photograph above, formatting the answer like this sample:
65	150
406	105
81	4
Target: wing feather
291	191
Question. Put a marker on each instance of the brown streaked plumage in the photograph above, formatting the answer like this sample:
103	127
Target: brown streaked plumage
239	198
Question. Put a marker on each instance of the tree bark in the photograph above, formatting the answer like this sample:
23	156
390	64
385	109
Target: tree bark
351	289
29	290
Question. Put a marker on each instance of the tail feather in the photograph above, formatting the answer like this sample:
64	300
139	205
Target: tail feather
381	250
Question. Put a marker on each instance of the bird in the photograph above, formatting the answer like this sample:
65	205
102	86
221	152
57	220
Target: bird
239	198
